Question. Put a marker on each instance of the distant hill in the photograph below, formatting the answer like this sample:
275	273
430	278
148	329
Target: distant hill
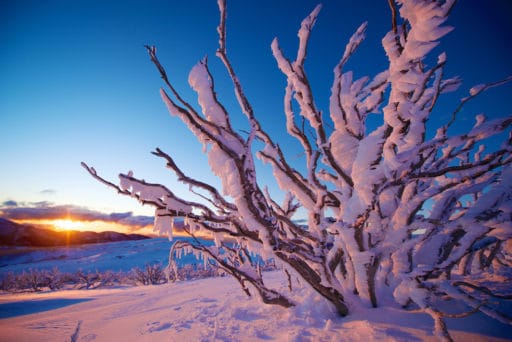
14	234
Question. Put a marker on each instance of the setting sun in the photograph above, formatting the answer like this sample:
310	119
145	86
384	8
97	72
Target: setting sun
66	224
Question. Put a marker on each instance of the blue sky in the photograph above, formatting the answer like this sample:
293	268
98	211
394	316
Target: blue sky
77	85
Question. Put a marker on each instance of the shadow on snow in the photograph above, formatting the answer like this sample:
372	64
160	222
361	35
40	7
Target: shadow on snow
8	310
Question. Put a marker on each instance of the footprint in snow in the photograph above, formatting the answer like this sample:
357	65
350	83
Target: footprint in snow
88	338
157	326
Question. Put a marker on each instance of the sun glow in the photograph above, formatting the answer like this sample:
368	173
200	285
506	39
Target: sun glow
66	224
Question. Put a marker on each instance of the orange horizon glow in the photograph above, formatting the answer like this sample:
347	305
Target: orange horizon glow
70	224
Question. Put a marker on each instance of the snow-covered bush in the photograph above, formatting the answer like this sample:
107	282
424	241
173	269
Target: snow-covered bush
111	278
33	280
55	279
93	280
8	282
151	274
88	280
393	212
192	271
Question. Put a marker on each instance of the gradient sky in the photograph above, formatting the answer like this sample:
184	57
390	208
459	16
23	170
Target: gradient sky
77	85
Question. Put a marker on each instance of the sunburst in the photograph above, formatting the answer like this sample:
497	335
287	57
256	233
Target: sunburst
67	224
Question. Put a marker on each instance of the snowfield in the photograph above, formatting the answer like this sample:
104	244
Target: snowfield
113	256
214	309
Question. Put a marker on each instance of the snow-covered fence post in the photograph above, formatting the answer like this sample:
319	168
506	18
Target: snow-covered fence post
390	212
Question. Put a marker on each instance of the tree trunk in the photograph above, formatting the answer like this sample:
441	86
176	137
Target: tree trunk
313	279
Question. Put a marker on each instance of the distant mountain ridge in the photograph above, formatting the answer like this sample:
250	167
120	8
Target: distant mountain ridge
15	234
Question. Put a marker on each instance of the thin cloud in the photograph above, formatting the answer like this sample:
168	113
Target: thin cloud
48	192
10	203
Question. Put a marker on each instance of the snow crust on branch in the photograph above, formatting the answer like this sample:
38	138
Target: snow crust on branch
201	81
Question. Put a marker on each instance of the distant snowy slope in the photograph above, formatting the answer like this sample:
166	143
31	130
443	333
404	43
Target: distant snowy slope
114	256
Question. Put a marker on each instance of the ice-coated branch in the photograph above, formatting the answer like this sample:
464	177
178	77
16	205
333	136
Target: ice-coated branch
94	174
473	92
236	261
163	74
482	289
239	92
299	86
393	16
217	199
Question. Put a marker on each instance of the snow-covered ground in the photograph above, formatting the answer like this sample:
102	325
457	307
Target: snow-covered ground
213	309
114	256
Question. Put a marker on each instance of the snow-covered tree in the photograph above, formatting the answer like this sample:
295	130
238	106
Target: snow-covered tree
393	212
